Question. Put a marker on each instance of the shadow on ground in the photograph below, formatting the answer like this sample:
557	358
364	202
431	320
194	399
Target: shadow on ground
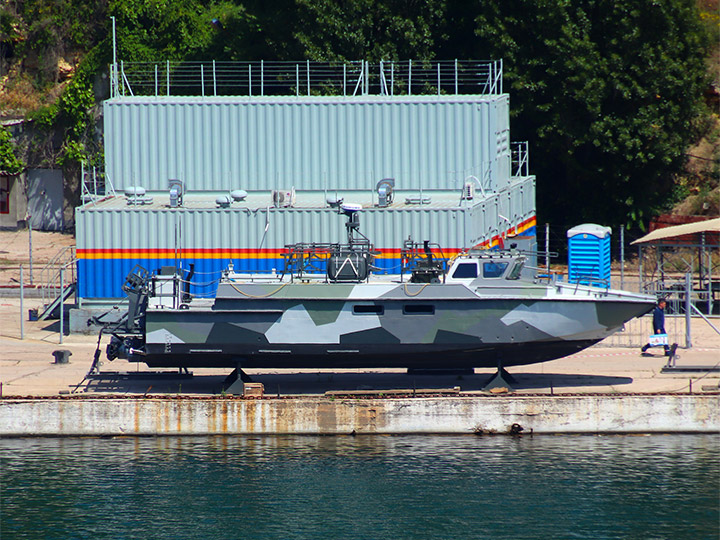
319	383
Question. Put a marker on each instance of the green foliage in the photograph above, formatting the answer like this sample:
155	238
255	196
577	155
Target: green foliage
609	94
252	30
74	105
68	23
8	160
172	29
72	152
70	114
44	117
8	26
331	30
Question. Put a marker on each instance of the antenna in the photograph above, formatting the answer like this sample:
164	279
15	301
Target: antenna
352	225
468	191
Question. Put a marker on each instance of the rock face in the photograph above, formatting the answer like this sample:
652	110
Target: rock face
64	69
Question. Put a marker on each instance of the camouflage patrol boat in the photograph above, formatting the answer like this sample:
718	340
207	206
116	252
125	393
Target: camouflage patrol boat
480	309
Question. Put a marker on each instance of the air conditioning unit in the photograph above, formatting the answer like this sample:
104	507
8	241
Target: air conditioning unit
283	198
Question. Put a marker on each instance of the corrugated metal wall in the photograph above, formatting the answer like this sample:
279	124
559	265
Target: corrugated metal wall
212	238
242	228
110	241
216	144
506	211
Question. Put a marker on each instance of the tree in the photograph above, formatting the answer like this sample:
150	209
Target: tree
9	163
608	93
158	31
332	30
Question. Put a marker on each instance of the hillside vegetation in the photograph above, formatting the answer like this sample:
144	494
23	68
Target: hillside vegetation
619	100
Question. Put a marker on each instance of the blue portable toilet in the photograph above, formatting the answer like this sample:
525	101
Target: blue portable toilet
589	254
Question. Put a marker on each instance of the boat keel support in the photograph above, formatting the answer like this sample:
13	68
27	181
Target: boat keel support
234	382
501	379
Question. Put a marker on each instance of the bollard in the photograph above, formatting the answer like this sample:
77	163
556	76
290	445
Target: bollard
62	356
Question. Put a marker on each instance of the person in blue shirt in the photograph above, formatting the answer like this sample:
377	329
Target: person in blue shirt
658	324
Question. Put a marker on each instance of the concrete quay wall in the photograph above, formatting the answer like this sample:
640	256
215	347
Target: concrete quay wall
153	416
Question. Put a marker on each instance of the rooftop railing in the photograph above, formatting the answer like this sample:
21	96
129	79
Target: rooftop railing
355	78
520	158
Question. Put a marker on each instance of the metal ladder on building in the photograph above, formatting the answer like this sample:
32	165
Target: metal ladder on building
54	292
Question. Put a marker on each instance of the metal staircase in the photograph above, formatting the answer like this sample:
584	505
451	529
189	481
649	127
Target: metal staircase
55	291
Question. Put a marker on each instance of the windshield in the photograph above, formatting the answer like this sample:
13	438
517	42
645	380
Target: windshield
494	269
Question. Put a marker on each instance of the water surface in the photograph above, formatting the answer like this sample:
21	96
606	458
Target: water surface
400	487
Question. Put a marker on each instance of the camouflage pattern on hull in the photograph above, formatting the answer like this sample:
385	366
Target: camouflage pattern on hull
438	325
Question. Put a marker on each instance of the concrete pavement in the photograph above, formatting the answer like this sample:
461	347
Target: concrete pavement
27	368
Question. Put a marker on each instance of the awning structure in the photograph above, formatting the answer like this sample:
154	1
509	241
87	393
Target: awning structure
708	226
673	259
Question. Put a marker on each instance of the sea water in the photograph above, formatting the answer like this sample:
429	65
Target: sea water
364	487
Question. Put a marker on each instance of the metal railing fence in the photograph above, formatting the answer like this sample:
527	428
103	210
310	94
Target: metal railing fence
681	303
520	158
94	183
306	78
49	276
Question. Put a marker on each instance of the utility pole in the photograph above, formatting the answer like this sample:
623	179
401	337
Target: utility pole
30	248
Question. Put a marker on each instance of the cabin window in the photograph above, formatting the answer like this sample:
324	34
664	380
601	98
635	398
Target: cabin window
368	310
465	270
494	269
419	309
516	270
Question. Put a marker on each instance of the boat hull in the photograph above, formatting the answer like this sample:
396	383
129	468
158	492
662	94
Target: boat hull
427	333
373	356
